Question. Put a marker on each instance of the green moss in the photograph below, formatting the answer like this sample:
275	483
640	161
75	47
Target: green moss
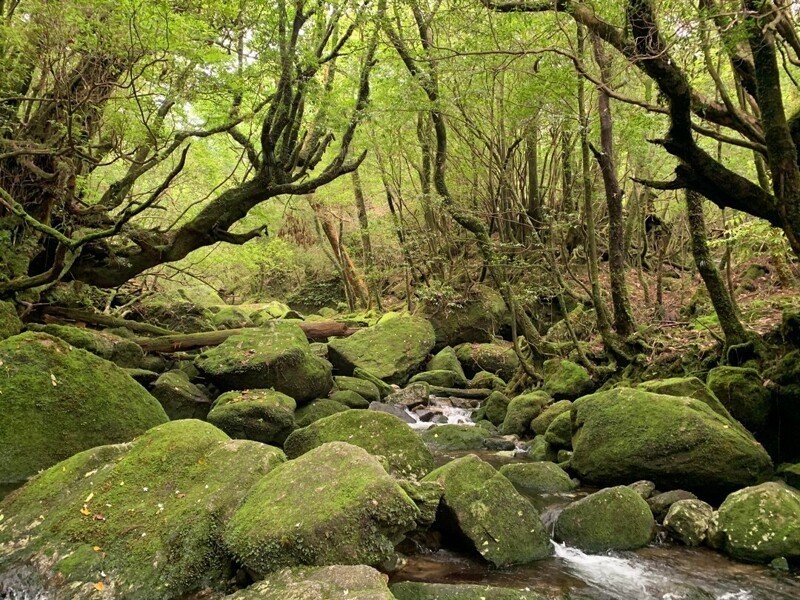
687	521
350	399
391	351
180	398
486	380
185	310
498	358
564	379
522	410
118	350
455	437
10	323
446	379
260	314
264	416
446	360
366	389
230	317
503	526
538	478
383	388
559	432
333	505
277	356
57	400
319	583
495	407
473	319
611	519
540	449
379	433
319	409
415	590
540	424
148	513
688	387
742	392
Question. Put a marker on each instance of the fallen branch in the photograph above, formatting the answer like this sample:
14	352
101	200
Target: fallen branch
93	318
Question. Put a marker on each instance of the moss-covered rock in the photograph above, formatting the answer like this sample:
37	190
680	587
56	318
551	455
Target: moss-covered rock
277	356
540	449
333	505
497	358
474	319
522	410
687	521
612	519
785	378
624	434
381	434
186	310
319	409
483	505
10	323
356	582
442	378
142	519
350	399
446	360
181	398
742	392
541	423
495	407
566	380
366	389
538	478
790	473
383	388
455	437
661	503
391	351
414	394
230	317
56	400
486	380
688	387
261	314
417	590
759	523
264	416
123	352
559	432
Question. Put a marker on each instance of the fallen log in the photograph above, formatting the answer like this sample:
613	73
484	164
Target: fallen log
78	315
315	331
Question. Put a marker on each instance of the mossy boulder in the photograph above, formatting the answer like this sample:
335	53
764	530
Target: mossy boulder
277	356
612	519
230	317
264	416
661	503
381	434
366	389
123	352
540	449
622	435
522	410
785	378
442	378
790	473
417	590
541	423
186	310
261	314
446	360
743	393
559	432
319	409
180	398
476	318
10	323
486	380
391	351
538	478
143	519
482	505
687	521
383	388
334	505
688	387
566	380
495	407
497	358
759	523
335	582
350	399
455	437
56	400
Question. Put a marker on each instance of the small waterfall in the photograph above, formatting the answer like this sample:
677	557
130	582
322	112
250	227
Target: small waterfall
442	406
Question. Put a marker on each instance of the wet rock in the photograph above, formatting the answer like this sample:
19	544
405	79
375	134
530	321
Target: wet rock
180	398
538	478
396	410
357	582
10	323
643	487
612	519
264	416
391	351
366	389
350	399
58	400
566	380
277	356
319	409
411	396
497	358
483	505
333	505
424	414
540	424
498	444
624	434
416	590
455	437
522	410
687	521
661	503
559	432
382	435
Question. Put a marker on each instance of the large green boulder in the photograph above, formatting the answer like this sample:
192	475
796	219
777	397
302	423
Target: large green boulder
187	310
264	416
180	398
485	380
688	387
687	521
743	393
497	358
260	314
56	400
230	317
366	389
785	378
123	352
417	590
612	519
538	478
10	323
350	399
141	520
441	378
334	505
384	389
623	435
391	351
446	360
455	437
522	410
559	432
566	380
503	526
276	356
319	409
335	582
495	407
476	318
383	435
541	423
759	523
